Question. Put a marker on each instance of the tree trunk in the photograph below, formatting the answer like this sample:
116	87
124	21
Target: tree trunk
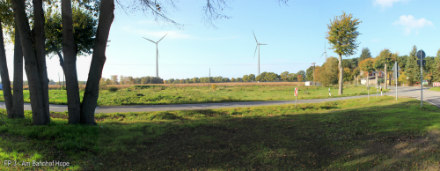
61	62
98	59
368	79
39	114
17	107
385	79
69	51
341	75
5	76
40	50
376	80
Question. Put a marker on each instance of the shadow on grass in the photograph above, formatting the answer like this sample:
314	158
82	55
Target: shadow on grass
372	136
395	137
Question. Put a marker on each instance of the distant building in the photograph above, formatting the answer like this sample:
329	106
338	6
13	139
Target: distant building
372	75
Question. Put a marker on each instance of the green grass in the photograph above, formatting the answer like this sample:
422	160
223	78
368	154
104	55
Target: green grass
146	95
355	134
435	89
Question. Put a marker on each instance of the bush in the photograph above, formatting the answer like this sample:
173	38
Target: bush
213	87
112	89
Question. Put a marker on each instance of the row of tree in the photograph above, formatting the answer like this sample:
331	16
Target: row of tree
366	64
123	80
263	77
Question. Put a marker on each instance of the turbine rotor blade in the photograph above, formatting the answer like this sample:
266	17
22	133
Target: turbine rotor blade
255	37
255	50
149	40
262	44
161	38
322	54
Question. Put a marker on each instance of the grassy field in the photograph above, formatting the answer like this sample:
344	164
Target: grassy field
356	134
154	94
435	89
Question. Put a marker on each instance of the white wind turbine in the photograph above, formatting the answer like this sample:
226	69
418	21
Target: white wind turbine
157	54
258	46
325	52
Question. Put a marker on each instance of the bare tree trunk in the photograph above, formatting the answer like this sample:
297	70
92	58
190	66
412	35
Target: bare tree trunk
61	62
18	108
69	50
5	76
40	50
385	79
91	92
39	114
341	75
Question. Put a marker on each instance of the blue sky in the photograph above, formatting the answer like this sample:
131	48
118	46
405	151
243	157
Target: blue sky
295	35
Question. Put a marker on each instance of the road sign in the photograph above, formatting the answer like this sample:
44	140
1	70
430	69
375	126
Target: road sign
396	73
296	91
421	54
418	62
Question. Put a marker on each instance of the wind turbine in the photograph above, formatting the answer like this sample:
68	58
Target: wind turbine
258	46
157	53
325	52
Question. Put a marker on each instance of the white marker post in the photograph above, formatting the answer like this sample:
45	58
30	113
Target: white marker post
296	96
329	93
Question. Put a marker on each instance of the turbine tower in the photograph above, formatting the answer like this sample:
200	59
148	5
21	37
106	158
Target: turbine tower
325	52
157	54
258	46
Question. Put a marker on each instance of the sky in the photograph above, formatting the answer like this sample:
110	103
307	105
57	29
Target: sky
295	35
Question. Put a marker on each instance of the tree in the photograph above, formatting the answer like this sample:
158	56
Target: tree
342	34
300	78
367	66
347	75
365	54
355	73
412	70
309	73
284	75
35	62
232	79
251	77
5	76
328	72
246	78
436	70
302	73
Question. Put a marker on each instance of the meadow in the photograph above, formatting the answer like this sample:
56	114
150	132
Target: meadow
356	134
435	89
204	93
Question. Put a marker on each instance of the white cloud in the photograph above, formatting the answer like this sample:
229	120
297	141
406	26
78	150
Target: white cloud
158	34
410	23
387	3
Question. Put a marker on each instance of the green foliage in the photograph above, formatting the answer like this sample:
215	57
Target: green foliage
342	34
309	73
84	31
214	87
436	71
112	89
365	54
412	70
367	65
267	77
328	73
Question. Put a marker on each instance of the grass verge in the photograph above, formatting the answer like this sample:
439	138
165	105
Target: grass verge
156	94
380	134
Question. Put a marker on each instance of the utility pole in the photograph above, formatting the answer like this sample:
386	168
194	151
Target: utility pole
209	75
313	73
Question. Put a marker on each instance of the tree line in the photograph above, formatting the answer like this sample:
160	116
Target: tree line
263	77
359	67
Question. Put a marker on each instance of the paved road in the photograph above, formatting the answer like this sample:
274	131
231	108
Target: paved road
432	97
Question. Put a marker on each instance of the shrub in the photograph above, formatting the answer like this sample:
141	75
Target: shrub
213	86
112	89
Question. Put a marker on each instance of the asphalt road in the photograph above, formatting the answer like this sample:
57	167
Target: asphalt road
432	97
